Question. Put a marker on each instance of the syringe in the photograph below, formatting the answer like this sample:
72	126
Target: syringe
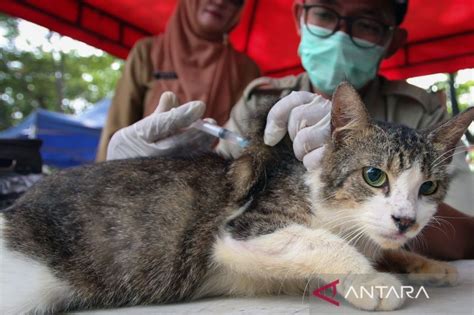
220	132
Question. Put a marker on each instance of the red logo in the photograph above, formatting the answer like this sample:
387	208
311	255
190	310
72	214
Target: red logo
320	292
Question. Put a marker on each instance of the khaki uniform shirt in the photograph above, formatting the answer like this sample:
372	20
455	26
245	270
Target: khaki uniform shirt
132	91
386	100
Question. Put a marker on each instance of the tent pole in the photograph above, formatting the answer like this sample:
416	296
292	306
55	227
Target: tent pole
455	104
452	95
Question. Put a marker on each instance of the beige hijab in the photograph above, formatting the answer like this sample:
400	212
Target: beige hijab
206	66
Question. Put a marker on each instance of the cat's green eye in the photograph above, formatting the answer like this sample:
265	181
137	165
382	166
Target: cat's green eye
375	177
428	188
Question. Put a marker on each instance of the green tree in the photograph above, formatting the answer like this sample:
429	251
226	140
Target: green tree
462	89
50	80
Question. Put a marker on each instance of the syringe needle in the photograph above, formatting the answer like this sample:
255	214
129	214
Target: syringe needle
220	132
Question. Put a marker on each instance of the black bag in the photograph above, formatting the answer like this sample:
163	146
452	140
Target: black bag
20	168
21	156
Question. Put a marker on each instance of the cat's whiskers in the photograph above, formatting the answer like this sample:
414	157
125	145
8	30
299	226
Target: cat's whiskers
354	236
449	151
440	222
285	277
457	218
358	232
357	219
431	224
363	236
306	287
349	231
336	224
445	157
355	241
420	238
332	216
337	219
311	277
411	243
370	246
282	281
314	276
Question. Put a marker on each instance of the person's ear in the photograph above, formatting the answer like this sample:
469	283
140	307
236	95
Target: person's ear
398	40
297	13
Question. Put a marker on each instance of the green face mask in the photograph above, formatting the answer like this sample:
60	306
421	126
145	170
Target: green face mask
328	61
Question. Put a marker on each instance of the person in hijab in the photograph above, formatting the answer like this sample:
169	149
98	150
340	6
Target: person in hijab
194	60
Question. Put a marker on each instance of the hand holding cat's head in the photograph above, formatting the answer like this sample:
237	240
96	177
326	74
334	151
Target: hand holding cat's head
384	180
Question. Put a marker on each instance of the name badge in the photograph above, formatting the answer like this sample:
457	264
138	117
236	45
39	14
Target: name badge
160	75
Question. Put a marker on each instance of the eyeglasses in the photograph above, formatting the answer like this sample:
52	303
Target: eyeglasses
364	32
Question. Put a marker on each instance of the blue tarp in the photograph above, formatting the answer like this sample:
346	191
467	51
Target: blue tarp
67	140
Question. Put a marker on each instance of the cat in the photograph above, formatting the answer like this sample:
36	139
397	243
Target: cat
161	230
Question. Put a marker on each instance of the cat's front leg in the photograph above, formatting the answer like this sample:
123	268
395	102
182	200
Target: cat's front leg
301	253
420	269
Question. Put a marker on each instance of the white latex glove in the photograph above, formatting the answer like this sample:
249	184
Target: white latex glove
307	119
162	133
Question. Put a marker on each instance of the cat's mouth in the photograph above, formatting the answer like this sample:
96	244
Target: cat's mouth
391	240
394	236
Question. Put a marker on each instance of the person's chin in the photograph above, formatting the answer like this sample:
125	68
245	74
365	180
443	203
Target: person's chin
212	28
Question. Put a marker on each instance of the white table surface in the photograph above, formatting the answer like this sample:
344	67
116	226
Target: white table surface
446	301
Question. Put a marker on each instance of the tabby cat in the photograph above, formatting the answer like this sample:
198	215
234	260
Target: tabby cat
158	230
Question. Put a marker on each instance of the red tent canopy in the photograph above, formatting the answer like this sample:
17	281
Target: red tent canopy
441	33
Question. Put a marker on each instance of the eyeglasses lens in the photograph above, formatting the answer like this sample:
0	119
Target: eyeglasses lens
364	32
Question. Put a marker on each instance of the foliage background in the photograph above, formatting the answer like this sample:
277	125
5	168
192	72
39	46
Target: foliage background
50	78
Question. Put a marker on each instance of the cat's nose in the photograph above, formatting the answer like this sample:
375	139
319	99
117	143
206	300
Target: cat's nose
403	223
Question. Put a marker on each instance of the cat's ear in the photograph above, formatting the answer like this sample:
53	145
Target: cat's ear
348	110
446	135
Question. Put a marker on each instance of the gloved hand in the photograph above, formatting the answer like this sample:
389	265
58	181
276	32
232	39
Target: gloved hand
307	119
162	133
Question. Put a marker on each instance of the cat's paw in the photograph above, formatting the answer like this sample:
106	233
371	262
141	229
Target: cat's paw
371	292
434	273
